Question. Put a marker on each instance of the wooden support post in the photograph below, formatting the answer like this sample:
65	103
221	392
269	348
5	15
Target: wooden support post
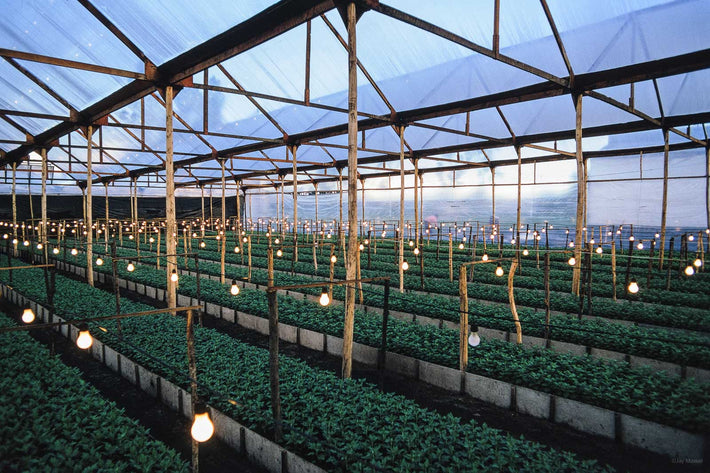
511	300
707	189
493	195
417	217
664	204
649	271
192	369
613	269
581	187
89	212
106	230
274	347
332	271
170	226
351	263
463	319
517	218
451	257
547	295
14	206
400	240
223	236
202	221
295	204
157	249
249	257
671	244
44	233
628	264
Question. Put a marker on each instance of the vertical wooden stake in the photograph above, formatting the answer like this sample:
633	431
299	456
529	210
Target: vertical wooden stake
401	209
223	239
547	295
249	257
451	258
613	269
511	299
44	234
157	249
89	211
170	226
192	368
274	347
664	205
581	186
463	319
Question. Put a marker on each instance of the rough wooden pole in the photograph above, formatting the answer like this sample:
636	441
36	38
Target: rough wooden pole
613	269
14	202
493	196
170	227
202	200
416	203
400	240
223	236
192	369
579	223
239	215
274	347
451	257
89	212
295	205
340	206
547	295
44	230
463	319
157	249
517	218
511	300
707	187
107	219
664	205
315	187
351	262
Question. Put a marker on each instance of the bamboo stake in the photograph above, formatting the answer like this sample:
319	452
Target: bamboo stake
44	230
202	221
295	205
416	204
351	266
89	211
170	227
511	299
664	205
547	296
463	319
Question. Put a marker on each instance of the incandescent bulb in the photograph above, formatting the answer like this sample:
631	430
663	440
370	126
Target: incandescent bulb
39	246
26	243
14	241
572	261
279	253
245	239
499	270
640	246
277	241
599	250
151	240
99	261
484	257
28	316
74	252
202	244
698	262
460	246
202	426
333	259
526	252
130	237
84	340
55	251
237	249
405	265
633	287
473	339
324	298
416	251
131	267
174	276
691	237
361	247
689	270
234	290
631	238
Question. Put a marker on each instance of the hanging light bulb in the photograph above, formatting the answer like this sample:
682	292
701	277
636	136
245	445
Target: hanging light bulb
39	246
151	240
279	252
361	247
405	265
237	249
633	286
484	257
572	261
5	236
245	239
84	340
277	241
202	426
202	243
130	237
657	235
333	259
416	251
689	270
324	298
411	243
26	243
571	244
698	262
74	252
130	268
640	245
473	339
55	250
234	290
14	241
526	252
460	246
591	242
99	261
631	238
328	235
384	234
28	315
367	242
194	234
174	276
499	270
599	250
691	237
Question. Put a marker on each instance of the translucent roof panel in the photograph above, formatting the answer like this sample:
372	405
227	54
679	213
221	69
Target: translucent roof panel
18	92
185	23
64	30
539	116
685	94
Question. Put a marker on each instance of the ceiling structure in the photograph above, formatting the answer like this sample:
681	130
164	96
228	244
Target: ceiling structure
470	81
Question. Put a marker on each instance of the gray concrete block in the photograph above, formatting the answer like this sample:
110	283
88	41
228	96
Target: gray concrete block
128	369
288	333
584	417
699	374
160	294
228	314
213	309
450	325
111	358
148	381
492	333
227	429
565	347
608	354
661	438
671	369
131	286
488	390
262	451
402	316
247	321
261	325
311	339
183	301
334	345
296	464
529	342
422	320
170	394
402	364
533	403
186	403
97	351
364	354
122	283
151	292
441	376
140	288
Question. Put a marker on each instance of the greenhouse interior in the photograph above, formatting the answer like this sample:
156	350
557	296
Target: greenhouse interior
355	236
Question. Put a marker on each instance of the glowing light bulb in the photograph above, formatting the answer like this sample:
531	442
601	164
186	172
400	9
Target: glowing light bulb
698	262
571	244
324	298
277	241
411	243
633	287
416	251
361	247
131	267
473	339
405	265
640	246
599	250
174	276
484	257
55	251
84	340
631	238
657	235
367	242
591	242
237	249
99	261
26	243
130	237
689	270
14	241
460	246
572	261
333	259
202	244
194	234
499	270
151	240
234	290
28	316
245	239
202	426
39	246
5	236
328	235
526	252
74	252
279	253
